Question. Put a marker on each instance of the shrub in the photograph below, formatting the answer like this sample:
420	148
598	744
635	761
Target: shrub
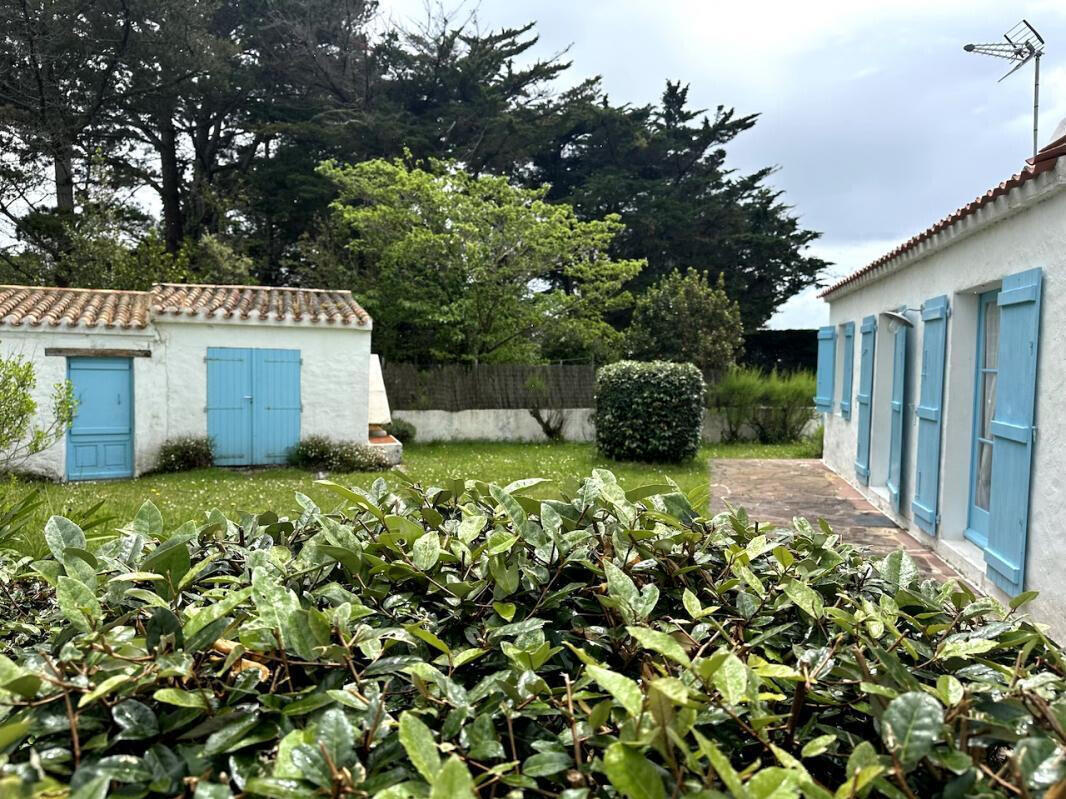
687	319
185	453
735	397
402	430
607	645
21	435
319	452
785	408
775	407
649	411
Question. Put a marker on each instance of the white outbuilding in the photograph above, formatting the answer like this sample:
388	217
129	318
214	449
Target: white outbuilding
941	381
254	368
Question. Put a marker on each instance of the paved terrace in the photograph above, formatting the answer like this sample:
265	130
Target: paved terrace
777	490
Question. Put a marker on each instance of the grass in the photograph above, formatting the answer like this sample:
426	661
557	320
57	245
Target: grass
188	495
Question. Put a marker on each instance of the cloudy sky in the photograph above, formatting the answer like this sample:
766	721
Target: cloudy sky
878	121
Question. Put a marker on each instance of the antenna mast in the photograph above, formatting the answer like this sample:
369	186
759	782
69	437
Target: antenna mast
1023	44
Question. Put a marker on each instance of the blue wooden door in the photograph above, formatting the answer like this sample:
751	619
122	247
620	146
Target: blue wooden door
229	404
899	392
276	415
253	404
982	443
930	401
1013	429
100	441
864	397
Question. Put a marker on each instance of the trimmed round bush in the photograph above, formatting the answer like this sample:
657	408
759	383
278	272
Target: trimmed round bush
320	452
649	411
402	430
184	453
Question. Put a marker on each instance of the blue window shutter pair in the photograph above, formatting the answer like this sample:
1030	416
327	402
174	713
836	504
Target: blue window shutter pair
1013	429
823	397
867	343
929	410
849	364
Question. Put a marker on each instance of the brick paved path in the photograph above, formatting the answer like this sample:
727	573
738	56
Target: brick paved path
776	490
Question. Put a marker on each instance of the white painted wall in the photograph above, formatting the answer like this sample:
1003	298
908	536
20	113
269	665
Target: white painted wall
334	382
493	424
515	424
170	387
50	369
1024	230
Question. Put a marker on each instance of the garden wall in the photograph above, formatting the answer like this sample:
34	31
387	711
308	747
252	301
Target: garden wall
515	424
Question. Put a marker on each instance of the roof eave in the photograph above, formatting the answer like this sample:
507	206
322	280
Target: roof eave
1039	187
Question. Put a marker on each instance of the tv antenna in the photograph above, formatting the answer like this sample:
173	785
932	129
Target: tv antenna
1023	44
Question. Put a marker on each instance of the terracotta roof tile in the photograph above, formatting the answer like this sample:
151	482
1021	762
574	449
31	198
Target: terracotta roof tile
35	306
1040	163
258	302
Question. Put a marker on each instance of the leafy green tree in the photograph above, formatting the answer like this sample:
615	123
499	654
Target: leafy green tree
455	267
22	433
662	169
686	318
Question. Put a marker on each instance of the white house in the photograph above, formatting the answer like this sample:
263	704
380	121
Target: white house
941	379
254	368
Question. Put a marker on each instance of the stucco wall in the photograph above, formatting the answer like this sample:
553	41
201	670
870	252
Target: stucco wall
1022	233
334	383
170	387
515	424
50	369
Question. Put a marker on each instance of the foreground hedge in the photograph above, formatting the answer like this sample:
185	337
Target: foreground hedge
433	642
649	411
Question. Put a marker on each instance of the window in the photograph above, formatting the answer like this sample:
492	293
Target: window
987	373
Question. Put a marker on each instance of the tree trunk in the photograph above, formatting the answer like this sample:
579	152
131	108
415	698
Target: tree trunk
64	177
170	179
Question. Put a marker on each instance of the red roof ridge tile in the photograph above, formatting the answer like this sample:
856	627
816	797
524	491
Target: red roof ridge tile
125	309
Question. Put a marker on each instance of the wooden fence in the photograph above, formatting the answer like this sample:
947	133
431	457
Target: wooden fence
457	387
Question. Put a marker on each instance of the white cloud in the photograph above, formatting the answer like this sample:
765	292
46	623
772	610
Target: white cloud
806	310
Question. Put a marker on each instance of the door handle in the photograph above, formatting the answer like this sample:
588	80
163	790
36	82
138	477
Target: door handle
248	397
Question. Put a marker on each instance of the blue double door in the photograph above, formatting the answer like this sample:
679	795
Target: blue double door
253	404
100	439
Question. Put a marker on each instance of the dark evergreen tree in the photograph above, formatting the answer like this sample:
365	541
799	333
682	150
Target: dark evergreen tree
663	170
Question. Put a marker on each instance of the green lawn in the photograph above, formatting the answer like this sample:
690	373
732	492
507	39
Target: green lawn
187	495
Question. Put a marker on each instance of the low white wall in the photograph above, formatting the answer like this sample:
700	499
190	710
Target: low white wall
515	424
494	424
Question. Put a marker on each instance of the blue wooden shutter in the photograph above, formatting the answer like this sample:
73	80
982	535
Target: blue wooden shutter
277	404
867	343
894	483
930	403
229	404
849	365
823	397
1012	429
